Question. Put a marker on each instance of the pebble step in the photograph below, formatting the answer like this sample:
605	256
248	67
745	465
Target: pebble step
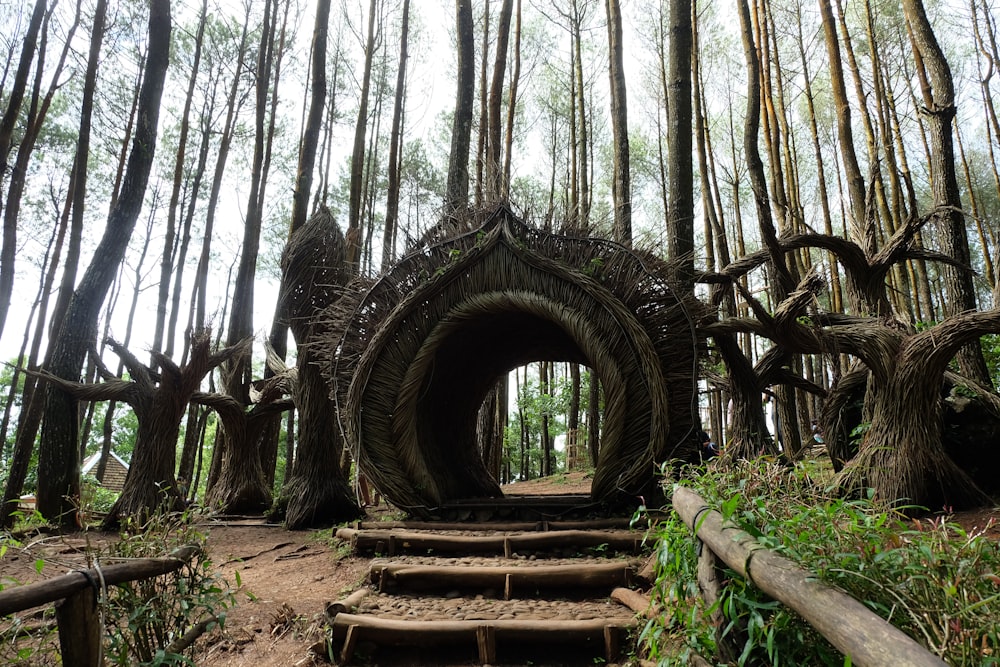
350	629
510	592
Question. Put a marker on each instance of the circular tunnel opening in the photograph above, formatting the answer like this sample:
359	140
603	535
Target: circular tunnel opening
466	365
549	410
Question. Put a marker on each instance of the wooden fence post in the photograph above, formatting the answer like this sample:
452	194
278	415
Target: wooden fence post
79	622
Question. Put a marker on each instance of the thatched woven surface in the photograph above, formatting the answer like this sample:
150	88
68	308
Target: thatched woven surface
420	348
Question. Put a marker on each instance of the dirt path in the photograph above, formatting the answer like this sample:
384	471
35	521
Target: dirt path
287	579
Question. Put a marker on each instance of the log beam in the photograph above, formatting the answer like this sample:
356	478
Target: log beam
855	630
424	577
351	628
28	596
369	540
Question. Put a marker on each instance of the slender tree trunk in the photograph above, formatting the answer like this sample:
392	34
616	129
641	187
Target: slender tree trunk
32	401
483	117
496	188
289	447
543	391
185	243
755	166
680	175
15	96
59	463
583	145
358	154
621	181
573	415
823	194
512	101
243	482
457	189
169	250
594	418
233	105
395	146
939	108
35	116
307	159
196	417
861	231
109	415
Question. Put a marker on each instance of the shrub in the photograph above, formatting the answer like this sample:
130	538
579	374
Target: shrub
94	498
146	620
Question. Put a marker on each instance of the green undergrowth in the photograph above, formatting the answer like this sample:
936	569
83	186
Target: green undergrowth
152	621
930	578
147	620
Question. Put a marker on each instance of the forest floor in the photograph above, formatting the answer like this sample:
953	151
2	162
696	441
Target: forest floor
288	577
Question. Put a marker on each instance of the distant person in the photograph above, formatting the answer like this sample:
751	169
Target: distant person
817	432
370	496
182	491
708	449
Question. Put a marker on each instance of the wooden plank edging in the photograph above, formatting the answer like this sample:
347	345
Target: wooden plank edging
19	598
539	526
575	576
849	625
365	540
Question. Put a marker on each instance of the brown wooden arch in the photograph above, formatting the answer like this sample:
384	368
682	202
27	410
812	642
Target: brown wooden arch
418	350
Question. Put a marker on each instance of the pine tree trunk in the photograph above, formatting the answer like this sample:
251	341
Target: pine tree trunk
457	189
939	110
395	146
680	183
169	243
233	103
358	153
512	91
861	232
30	416
621	187
594	419
496	188
59	463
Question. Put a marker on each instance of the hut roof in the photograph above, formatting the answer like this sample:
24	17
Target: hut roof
416	352
114	472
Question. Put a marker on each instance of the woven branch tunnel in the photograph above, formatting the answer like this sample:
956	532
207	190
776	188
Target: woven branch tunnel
415	354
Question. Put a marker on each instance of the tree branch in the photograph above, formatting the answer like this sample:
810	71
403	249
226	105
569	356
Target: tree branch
112	390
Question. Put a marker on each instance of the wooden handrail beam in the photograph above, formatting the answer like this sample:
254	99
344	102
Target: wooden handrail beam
853	628
19	598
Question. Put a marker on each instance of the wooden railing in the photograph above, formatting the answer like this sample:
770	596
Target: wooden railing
76	595
850	626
